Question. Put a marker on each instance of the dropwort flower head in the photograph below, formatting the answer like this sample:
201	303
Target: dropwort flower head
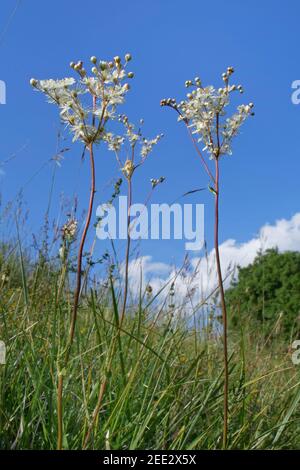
204	111
107	87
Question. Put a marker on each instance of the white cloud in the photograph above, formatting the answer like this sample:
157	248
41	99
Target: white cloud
199	276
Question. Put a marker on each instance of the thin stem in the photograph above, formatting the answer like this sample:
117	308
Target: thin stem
103	384
59	412
96	413
80	251
206	168
76	300
126	281
223	304
127	251
201	156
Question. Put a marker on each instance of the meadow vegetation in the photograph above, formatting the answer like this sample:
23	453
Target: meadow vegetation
164	378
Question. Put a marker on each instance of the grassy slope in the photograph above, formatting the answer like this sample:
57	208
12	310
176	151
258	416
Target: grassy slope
164	382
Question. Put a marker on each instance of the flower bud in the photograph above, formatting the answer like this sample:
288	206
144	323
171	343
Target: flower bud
130	75
33	82
128	169
94	59
94	70
128	57
117	59
225	77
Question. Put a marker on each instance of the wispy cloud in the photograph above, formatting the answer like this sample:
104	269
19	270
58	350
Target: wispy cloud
198	278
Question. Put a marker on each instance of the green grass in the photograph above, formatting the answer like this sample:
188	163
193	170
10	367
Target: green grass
164	381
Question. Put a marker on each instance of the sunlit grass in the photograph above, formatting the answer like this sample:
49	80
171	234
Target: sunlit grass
163	388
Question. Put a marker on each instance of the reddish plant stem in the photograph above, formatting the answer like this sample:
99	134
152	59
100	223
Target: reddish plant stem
223	303
80	251
96	413
200	155
206	168
76	301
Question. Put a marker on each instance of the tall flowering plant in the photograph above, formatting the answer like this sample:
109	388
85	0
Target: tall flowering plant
86	104
212	130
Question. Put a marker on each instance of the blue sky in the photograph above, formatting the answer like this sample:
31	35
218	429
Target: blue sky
170	41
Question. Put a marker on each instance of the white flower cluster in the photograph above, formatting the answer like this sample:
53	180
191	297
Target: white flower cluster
114	142
86	104
204	112
132	137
